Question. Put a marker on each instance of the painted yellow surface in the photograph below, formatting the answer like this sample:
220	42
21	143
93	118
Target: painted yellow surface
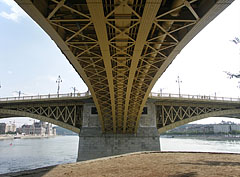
121	47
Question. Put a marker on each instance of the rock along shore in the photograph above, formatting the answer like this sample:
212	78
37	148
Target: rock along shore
174	164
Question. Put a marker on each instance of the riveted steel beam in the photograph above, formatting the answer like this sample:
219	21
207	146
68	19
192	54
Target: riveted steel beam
98	19
196	26
149	14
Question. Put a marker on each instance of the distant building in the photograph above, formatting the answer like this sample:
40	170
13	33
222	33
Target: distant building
220	128
27	129
38	128
235	128
226	128
10	128
223	127
2	128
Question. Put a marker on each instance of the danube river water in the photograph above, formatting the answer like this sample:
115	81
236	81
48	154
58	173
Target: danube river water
25	154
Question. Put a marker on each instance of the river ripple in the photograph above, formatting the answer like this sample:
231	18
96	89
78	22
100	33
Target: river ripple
24	154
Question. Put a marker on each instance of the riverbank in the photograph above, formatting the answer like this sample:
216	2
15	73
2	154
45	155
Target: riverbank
205	137
145	164
11	137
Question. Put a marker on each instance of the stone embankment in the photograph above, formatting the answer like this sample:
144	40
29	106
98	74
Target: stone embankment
146	164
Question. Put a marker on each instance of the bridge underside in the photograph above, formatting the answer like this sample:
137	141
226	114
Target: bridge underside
121	47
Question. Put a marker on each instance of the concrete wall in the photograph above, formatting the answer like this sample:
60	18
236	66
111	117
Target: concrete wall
94	144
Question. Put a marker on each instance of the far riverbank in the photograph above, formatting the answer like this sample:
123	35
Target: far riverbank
11	137
205	137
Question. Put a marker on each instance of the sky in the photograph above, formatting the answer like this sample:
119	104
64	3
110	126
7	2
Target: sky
30	61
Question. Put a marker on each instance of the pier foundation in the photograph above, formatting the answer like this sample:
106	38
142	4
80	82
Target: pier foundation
95	144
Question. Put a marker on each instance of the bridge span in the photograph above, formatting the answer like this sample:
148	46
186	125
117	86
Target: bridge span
77	112
121	47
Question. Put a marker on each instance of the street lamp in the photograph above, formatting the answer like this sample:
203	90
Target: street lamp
19	93
58	81
74	90
179	82
161	91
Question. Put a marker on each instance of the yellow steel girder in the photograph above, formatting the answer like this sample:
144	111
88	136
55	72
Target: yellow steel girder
121	47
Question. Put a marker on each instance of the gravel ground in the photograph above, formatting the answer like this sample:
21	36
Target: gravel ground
173	164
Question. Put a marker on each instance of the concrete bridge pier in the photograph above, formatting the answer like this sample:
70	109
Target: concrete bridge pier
94	144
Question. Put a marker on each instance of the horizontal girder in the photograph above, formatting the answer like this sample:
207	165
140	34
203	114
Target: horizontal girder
121	47
172	110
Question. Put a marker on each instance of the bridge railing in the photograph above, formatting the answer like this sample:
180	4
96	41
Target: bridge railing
87	94
187	96
49	96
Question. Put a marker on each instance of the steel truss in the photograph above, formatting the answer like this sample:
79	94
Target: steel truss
173	115
66	115
120	47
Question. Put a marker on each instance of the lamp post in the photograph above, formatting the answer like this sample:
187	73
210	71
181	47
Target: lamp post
74	90
161	91
58	81
19	93
179	82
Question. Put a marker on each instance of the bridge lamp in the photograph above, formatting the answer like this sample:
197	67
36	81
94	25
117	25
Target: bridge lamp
58	81
74	90
19	93
179	82
161	91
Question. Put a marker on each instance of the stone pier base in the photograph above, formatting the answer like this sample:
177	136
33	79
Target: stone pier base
94	144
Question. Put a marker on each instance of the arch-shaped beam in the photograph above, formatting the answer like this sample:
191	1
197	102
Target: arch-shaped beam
39	117
198	25
199	117
37	10
149	14
98	19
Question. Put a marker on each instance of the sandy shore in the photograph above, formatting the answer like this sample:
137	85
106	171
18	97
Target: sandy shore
146	164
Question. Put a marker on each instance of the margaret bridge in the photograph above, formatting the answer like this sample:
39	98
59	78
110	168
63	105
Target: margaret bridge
77	112
120	48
